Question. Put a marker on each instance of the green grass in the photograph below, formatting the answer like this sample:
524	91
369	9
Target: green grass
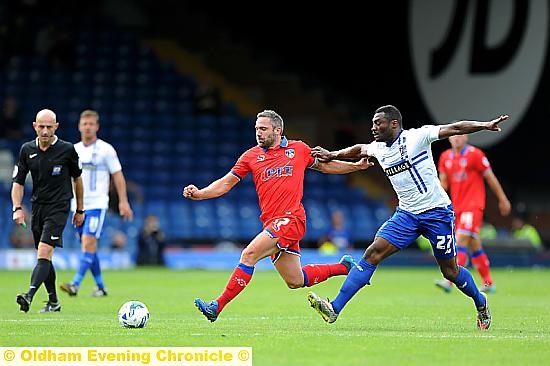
402	318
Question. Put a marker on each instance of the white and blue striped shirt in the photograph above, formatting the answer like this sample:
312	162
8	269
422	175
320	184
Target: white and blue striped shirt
99	160
408	162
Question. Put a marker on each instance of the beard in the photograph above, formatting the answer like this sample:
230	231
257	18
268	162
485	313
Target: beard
268	141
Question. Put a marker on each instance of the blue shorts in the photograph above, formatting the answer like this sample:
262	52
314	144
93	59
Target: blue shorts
437	224
93	223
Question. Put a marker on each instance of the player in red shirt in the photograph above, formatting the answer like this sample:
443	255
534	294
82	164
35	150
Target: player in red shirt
463	169
277	166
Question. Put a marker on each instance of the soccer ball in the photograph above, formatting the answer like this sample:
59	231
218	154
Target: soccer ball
133	314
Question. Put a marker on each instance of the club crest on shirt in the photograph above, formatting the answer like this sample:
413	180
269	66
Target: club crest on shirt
290	153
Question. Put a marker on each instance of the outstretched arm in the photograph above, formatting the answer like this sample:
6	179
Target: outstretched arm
215	189
341	167
466	127
353	152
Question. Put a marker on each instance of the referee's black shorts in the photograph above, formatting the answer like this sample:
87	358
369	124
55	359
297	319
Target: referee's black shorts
48	222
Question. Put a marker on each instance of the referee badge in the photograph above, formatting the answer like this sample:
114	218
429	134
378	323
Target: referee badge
56	170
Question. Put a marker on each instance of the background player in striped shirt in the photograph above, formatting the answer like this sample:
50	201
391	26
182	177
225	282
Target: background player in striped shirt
424	207
99	161
277	166
463	170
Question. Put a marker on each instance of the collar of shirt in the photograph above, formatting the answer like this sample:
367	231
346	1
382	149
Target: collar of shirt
53	143
388	144
462	152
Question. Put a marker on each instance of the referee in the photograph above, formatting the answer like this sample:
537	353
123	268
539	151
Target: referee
52	163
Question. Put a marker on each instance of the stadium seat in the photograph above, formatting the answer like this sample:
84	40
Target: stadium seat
159	208
147	113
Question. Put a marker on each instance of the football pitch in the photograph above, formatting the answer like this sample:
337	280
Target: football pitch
401	319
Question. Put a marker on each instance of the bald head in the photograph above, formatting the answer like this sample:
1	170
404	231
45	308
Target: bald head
46	115
45	127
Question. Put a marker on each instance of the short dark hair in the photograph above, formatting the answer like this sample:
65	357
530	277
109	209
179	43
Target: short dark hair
391	113
276	119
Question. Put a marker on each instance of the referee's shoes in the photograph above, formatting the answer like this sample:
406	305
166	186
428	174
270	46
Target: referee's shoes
50	307
24	301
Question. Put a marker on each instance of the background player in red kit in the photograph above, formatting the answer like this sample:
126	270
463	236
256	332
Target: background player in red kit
462	170
278	168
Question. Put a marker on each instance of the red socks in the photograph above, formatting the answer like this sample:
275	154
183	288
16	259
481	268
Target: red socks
317	273
313	274
481	262
462	258
237	282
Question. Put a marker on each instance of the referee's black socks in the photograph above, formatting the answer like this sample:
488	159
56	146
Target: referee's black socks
39	274
49	283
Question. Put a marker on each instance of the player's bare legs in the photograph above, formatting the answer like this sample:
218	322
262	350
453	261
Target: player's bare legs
263	245
379	250
287	264
296	276
462	243
289	267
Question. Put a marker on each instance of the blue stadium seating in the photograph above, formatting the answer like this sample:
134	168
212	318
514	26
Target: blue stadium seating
147	113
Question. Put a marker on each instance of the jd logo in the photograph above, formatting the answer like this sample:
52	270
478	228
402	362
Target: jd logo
476	59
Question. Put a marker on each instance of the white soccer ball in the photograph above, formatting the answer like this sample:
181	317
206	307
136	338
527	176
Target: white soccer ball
133	314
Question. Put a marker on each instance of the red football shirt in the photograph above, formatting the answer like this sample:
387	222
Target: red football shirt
465	174
278	174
